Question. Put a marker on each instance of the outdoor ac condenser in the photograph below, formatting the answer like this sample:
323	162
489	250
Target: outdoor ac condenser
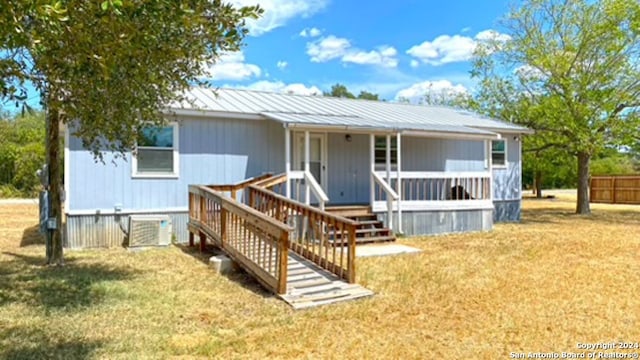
149	230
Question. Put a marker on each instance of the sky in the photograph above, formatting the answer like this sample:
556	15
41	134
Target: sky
397	49
393	48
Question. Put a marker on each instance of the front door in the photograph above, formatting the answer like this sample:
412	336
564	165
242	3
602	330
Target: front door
317	156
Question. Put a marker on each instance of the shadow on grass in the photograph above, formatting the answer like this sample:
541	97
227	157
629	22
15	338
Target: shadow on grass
75	285
32	236
551	215
28	343
238	276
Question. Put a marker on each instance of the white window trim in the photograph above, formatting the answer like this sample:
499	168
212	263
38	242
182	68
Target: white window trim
176	160
499	166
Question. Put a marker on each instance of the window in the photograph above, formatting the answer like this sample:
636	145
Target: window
381	150
499	153
157	152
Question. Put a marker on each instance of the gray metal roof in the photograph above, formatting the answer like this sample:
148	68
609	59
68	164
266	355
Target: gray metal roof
331	111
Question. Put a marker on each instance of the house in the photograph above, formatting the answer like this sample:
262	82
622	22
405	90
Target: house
421	169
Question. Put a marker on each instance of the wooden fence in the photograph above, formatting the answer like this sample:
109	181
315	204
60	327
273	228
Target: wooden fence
621	189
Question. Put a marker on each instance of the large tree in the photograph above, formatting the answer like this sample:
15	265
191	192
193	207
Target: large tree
576	62
108	68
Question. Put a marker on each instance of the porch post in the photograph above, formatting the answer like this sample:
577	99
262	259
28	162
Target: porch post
372	163
287	161
489	162
307	167
389	199
399	181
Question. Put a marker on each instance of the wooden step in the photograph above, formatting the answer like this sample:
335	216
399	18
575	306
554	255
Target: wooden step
365	232
349	210
366	240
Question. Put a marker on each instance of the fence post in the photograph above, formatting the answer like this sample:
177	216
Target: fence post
613	190
283	245
351	259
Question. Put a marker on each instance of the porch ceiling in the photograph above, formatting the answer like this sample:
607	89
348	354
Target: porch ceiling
411	125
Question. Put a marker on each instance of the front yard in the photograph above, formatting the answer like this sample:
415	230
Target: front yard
544	285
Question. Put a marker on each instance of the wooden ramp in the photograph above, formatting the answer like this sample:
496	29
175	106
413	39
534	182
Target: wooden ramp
309	285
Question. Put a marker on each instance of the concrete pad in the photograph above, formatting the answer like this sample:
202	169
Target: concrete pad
384	250
222	264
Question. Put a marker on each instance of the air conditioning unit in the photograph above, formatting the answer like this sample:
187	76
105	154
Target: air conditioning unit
149	230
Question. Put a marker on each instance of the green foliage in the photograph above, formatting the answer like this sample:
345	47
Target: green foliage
615	164
22	153
570	72
341	91
368	96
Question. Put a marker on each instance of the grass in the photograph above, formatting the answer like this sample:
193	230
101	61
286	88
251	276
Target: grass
543	285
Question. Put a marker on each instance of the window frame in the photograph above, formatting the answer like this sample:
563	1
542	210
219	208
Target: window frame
176	158
394	150
493	164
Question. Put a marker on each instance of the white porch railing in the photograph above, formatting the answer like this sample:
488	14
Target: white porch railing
304	184
434	190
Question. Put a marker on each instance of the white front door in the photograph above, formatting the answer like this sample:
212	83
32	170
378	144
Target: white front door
317	156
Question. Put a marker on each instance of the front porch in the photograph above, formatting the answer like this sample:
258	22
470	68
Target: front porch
414	182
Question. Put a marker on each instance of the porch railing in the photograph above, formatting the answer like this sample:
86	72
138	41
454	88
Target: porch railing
234	189
254	240
304	184
431	189
326	239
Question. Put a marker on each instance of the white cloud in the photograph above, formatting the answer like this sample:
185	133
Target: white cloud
282	65
417	91
278	12
310	32
231	66
332	47
415	63
327	48
384	56
448	49
279	86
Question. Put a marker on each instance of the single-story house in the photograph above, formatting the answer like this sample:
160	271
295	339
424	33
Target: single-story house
421	169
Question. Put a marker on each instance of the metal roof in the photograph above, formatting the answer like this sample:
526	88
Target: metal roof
331	111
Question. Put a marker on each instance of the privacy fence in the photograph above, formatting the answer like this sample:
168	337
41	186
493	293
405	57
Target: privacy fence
620	189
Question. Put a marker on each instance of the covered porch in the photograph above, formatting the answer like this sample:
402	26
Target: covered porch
415	181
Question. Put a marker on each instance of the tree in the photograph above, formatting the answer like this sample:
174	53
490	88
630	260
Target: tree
576	63
368	96
107	69
339	90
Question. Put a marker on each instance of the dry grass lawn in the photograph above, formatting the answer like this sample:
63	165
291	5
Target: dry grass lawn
543	285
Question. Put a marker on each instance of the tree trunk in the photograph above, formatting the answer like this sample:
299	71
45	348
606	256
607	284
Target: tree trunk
55	257
538	184
583	206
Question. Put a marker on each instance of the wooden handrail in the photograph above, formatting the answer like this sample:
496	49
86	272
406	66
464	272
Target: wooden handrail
258	242
271	181
324	238
385	186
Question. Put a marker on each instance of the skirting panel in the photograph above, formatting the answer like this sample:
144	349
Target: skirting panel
506	211
100	231
443	222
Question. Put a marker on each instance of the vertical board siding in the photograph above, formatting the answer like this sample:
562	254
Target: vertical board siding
416	223
103	231
507	211
211	151
431	154
348	163
507	182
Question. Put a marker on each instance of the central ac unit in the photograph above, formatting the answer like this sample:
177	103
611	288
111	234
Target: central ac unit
149	230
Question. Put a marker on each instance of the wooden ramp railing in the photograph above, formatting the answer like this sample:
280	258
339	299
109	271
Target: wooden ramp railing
259	243
326	239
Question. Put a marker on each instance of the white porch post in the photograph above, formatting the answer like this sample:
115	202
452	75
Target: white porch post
307	167
489	162
372	162
287	161
389	199
399	181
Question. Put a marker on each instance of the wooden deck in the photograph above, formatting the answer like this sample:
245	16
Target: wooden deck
309	285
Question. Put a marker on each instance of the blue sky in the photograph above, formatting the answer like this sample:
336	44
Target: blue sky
393	48
397	48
